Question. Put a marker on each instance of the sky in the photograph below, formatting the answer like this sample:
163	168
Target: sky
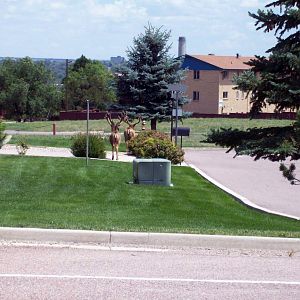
100	29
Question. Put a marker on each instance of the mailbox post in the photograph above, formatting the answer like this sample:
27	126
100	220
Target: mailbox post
181	131
177	89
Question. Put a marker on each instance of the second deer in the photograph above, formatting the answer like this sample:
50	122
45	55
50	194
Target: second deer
129	132
115	137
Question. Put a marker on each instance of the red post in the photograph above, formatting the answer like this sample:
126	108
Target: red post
54	129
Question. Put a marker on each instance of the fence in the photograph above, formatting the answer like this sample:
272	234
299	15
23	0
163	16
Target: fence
98	115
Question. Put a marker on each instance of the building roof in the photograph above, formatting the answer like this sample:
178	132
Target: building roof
226	62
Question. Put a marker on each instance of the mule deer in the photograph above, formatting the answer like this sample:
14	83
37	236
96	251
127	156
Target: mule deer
115	137
129	132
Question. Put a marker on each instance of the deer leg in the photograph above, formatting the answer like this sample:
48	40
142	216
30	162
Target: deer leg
127	147
112	152
117	152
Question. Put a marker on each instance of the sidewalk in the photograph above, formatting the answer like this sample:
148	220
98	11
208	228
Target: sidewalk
56	152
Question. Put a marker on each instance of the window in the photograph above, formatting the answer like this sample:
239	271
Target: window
224	74
243	96
196	95
237	95
196	74
225	95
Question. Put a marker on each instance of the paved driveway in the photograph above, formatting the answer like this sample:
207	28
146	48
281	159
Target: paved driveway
258	181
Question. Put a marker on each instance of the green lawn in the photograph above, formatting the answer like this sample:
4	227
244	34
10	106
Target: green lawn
199	127
63	193
56	141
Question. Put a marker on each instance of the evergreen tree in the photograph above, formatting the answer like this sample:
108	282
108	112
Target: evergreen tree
143	83
273	80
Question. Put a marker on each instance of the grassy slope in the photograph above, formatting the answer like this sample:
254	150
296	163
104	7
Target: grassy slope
63	193
199	127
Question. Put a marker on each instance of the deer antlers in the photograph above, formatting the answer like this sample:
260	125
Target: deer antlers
125	119
111	122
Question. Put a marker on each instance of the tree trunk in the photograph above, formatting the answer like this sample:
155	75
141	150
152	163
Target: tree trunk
153	124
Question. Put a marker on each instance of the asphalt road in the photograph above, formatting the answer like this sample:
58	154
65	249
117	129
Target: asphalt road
259	181
32	271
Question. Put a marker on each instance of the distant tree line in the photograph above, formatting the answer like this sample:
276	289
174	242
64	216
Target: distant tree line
29	89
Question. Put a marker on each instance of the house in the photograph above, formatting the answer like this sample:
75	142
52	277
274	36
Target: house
210	87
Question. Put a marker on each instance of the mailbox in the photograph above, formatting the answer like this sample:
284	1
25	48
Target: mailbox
181	131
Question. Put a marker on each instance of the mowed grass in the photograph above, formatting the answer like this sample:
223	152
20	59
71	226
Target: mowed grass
55	141
199	127
64	193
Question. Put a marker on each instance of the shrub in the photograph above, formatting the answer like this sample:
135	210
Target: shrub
154	144
2	135
22	145
96	146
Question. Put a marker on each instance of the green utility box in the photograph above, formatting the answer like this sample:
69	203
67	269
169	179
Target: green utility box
152	171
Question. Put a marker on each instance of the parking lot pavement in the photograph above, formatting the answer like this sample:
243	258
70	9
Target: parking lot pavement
33	271
259	181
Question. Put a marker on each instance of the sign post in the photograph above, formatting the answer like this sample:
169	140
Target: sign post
177	89
87	130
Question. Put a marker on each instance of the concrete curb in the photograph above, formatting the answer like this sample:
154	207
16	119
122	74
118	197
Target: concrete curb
240	198
148	239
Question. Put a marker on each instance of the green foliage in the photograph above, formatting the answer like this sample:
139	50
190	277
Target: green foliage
154	144
96	146
89	80
27	90
144	81
274	80
2	135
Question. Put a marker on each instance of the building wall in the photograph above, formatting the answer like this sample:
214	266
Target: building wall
208	87
236	101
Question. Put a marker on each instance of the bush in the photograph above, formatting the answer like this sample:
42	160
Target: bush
22	145
2	135
96	146
154	144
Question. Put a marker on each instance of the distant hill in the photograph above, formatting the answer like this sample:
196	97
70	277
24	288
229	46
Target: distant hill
58	65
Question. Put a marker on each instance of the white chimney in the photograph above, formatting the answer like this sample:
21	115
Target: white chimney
181	46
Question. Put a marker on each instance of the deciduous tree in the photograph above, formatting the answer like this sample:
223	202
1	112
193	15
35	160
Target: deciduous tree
27	90
89	80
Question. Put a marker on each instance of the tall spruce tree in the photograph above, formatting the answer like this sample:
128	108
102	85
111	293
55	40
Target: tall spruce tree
143	82
273	80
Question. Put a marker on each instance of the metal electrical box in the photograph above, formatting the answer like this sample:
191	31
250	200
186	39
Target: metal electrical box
152	171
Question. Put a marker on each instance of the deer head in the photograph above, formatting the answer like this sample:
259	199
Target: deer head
114	125
125	119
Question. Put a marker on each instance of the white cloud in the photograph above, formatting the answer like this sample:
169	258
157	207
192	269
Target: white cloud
104	28
120	10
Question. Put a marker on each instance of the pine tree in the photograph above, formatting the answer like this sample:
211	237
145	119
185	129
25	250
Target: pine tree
143	82
273	80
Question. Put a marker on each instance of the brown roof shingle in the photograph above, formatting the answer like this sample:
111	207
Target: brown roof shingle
226	62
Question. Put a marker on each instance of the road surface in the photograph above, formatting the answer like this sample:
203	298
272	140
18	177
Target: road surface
34	271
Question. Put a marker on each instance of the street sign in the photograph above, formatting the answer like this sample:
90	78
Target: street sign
178	87
179	112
